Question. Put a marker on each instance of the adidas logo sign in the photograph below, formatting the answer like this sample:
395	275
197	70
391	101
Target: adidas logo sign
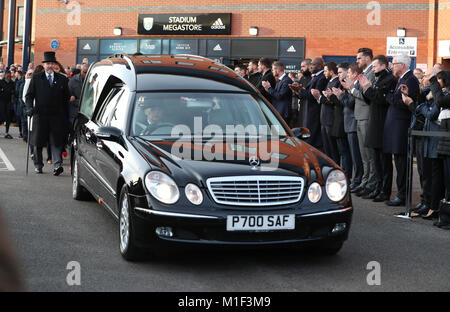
291	49
218	24
217	48
87	47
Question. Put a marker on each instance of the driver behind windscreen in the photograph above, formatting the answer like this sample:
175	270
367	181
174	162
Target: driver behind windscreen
154	114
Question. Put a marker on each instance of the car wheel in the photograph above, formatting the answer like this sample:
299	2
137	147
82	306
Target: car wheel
128	249
78	191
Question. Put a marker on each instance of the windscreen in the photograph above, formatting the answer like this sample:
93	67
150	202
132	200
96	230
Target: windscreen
172	115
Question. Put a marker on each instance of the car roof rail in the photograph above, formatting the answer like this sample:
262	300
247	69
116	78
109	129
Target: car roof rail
130	63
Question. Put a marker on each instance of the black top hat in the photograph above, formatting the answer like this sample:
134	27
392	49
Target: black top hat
49	56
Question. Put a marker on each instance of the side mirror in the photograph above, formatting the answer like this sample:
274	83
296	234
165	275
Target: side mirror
109	134
301	133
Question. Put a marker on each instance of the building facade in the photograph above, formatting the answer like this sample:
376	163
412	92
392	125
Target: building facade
289	30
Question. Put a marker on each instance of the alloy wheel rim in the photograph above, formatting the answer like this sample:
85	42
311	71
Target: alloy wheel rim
124	224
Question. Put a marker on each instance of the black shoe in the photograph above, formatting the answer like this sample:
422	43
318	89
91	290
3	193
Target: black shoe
433	215
423	210
440	223
364	192
417	207
382	197
8	136
357	189
372	195
58	171
38	170
396	202
353	186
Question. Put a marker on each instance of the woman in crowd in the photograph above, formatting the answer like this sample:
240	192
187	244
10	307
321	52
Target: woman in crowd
433	186
440	88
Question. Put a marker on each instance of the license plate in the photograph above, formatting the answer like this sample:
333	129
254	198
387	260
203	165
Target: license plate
261	223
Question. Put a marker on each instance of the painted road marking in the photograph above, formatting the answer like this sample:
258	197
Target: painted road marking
5	164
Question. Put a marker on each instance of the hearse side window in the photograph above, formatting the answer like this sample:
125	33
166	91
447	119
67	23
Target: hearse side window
107	108
119	115
90	94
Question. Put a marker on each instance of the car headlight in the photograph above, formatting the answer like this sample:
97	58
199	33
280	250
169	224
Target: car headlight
194	194
162	187
336	185
314	192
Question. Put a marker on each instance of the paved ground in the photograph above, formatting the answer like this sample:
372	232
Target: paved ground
48	230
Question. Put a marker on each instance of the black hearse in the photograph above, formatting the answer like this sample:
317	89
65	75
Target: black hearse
180	149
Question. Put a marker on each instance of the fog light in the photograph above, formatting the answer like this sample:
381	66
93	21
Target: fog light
164	231
338	228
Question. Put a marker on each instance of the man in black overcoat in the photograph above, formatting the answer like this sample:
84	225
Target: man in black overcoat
327	112
376	93
398	119
311	109
47	101
265	68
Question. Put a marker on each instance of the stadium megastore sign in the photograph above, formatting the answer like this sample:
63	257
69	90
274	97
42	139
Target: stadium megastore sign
185	24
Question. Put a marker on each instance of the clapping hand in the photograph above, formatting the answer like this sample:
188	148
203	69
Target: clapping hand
315	93
266	84
364	82
347	84
338	92
406	99
295	87
327	93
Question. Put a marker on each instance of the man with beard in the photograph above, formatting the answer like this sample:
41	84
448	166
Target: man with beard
265	68
254	76
311	109
376	93
327	111
304	79
281	94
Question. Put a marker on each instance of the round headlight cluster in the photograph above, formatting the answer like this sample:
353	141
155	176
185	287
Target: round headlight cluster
336	186
314	192
162	187
194	194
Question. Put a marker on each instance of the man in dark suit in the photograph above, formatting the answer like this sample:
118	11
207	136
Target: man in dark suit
49	92
281	95
376	93
265	68
311	109
7	92
395	136
327	111
254	76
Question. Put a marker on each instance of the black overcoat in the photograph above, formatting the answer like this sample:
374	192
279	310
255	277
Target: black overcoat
376	94
311	109
50	109
398	117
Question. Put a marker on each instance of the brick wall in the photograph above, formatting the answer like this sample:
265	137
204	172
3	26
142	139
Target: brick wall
332	27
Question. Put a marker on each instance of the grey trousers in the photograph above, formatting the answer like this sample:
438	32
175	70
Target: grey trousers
369	178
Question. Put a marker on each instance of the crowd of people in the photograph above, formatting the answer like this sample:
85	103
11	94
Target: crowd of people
21	102
359	115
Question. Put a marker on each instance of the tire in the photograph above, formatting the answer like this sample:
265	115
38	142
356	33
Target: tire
78	191
127	246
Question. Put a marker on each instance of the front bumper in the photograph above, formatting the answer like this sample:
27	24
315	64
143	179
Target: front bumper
211	229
